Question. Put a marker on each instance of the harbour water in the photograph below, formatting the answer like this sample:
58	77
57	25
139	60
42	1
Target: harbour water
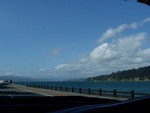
140	87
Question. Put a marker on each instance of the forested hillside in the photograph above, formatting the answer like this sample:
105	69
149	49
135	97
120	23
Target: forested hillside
140	74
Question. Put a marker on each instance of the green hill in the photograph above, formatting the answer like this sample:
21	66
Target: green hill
140	74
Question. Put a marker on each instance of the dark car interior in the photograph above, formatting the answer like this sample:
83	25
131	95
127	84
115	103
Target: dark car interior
71	104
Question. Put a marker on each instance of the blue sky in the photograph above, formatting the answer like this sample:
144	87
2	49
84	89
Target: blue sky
72	38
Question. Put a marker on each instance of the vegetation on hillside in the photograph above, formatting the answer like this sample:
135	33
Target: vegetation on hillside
140	74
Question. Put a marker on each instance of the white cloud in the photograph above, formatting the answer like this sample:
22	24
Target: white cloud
64	66
102	52
145	53
130	43
8	73
146	20
143	56
123	53
112	32
123	47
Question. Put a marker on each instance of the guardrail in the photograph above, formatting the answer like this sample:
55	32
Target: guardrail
100	92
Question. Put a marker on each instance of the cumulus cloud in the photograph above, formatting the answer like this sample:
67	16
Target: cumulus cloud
102	52
146	20
112	32
143	56
123	48
123	53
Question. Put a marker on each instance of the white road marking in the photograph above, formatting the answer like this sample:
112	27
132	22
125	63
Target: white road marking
11	96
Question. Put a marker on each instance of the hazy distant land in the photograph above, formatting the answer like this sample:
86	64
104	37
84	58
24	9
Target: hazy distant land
140	74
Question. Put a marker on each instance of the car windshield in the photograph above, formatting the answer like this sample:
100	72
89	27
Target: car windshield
96	48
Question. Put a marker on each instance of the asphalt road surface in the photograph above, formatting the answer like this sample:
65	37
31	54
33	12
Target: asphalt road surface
8	91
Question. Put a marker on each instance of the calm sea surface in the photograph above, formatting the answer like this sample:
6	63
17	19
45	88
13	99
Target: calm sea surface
141	87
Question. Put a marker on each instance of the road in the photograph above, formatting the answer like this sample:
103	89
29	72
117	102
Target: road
21	99
12	92
15	90
48	92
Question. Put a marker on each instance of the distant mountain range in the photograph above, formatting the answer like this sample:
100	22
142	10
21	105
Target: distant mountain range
140	74
23	79
28	79
15	78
